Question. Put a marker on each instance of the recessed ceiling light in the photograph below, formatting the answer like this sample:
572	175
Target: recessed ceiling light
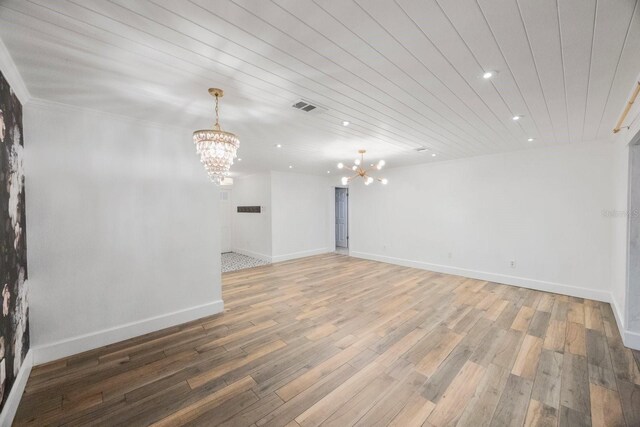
328	171
345	123
278	145
239	159
516	118
530	139
433	154
488	74
290	167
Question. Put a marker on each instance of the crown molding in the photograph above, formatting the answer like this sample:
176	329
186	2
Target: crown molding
11	73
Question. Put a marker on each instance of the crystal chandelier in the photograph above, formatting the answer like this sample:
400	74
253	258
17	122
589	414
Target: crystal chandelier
358	168
216	148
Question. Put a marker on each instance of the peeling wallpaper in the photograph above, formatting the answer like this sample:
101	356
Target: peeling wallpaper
14	323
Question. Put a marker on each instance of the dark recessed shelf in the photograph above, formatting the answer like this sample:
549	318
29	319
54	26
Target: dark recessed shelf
248	209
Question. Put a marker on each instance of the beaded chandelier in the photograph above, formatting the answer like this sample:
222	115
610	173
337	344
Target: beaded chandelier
216	148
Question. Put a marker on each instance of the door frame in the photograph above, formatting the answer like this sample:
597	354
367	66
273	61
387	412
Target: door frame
333	217
632	274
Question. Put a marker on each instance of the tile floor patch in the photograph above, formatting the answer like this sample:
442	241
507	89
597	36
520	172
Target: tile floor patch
232	261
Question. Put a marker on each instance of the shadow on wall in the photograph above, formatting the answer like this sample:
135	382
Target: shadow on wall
14	324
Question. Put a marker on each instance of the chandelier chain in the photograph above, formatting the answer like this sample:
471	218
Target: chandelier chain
217	124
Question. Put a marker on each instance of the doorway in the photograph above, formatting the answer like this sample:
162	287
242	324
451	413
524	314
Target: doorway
632	291
342	218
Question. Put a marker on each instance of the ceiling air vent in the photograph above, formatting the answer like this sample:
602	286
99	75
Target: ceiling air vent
307	107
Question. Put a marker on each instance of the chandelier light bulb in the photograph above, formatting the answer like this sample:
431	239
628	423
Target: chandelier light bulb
345	180
354	167
357	162
384	181
340	165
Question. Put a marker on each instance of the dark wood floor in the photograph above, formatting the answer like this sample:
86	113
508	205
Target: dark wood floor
334	340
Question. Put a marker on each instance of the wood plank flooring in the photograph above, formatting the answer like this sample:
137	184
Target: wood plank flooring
337	341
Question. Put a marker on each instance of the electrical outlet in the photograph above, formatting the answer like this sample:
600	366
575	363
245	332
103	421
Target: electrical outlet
512	264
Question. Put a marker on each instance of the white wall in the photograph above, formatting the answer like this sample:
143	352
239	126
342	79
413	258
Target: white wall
623	292
542	208
122	229
300	224
251	233
620	188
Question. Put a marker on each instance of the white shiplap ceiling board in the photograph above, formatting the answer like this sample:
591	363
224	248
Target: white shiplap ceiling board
577	40
615	17
463	70
405	73
547	55
627	65
511	37
389	54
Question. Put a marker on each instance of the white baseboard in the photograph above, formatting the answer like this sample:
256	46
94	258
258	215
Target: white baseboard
15	395
252	254
617	314
48	352
631	340
295	255
524	282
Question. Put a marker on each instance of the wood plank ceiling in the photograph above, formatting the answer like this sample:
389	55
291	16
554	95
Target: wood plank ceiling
404	73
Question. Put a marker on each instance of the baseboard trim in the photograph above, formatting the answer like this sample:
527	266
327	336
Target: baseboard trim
15	395
252	254
524	282
302	254
631	340
48	352
617	314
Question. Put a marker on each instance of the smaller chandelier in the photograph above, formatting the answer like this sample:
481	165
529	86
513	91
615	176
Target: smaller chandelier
216	148
358	168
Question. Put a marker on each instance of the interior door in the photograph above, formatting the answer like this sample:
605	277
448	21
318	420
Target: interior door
342	232
225	221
